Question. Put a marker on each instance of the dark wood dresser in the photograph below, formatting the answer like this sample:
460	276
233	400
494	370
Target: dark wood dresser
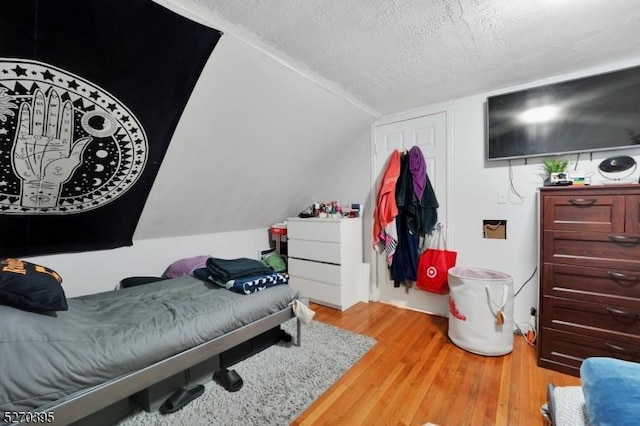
589	275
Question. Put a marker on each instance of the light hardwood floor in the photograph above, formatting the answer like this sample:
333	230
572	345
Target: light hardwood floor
415	375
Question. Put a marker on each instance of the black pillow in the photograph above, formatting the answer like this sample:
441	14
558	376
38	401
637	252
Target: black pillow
136	281
30	287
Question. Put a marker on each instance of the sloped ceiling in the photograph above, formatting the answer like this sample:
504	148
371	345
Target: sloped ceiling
392	55
256	143
282	113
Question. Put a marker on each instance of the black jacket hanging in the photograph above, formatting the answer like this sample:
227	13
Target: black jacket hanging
421	215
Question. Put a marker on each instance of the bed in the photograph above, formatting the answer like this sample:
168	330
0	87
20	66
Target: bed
109	346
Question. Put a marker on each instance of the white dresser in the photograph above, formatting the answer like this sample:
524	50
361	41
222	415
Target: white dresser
325	261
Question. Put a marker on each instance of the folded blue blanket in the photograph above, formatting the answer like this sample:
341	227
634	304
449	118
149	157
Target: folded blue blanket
244	285
611	391
231	269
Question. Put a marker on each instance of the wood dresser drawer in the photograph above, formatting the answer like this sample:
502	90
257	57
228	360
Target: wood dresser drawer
597	249
584	212
565	351
593	319
316	271
600	285
589	275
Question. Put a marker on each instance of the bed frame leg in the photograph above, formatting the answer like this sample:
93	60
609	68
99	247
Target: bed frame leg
298	331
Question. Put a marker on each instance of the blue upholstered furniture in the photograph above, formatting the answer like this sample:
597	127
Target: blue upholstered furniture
611	390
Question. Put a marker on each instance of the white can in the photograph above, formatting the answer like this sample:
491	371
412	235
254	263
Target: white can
481	310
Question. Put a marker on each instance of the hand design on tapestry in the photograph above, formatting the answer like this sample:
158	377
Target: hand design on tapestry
5	105
44	154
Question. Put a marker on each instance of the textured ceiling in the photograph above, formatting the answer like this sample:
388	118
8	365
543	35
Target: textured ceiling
392	55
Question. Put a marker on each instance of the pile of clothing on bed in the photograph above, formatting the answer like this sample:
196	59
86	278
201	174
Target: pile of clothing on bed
242	275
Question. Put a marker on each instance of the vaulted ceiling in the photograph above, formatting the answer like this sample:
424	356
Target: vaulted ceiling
259	141
392	55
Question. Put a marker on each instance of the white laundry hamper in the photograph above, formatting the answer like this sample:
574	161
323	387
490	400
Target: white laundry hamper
481	310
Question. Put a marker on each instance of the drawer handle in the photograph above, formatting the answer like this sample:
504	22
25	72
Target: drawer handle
582	201
620	348
621	313
620	277
624	239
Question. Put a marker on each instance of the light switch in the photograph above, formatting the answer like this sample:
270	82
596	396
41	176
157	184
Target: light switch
502	196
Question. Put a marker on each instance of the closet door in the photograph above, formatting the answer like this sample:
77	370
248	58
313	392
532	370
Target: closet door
429	133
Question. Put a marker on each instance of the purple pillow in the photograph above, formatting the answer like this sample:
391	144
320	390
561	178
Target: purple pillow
184	267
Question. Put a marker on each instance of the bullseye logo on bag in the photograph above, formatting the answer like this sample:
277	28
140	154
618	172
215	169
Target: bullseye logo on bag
432	272
66	145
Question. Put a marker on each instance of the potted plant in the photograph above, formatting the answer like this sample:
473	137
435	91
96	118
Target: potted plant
555	170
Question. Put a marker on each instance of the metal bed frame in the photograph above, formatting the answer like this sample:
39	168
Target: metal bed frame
80	405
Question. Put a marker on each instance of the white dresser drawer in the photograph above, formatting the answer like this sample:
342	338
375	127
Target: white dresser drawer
315	250
322	293
314	229
330	274
325	260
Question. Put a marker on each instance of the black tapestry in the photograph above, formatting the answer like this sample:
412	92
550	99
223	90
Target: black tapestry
90	94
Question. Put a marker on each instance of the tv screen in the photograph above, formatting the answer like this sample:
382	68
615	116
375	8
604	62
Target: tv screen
596	113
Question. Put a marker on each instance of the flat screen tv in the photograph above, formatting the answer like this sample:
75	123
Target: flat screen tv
596	113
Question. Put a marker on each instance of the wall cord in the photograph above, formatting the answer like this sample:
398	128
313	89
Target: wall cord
525	283
513	188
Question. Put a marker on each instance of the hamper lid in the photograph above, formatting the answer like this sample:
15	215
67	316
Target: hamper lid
478	273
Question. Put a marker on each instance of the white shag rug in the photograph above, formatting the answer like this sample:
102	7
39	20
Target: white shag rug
279	382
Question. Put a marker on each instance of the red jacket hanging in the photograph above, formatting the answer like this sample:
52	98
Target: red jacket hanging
386	208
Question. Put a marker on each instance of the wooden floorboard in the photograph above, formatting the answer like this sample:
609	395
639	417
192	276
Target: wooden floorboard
415	375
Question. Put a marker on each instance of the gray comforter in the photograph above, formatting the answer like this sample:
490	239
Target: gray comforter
103	336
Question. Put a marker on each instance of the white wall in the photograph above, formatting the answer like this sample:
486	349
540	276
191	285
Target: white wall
98	271
475	182
257	142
